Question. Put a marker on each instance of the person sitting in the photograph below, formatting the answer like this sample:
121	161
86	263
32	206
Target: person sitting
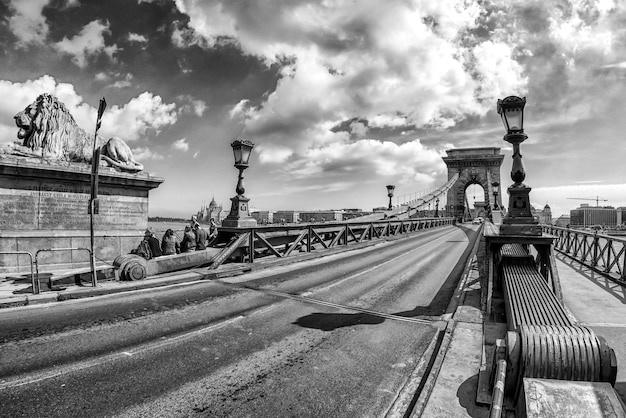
201	238
212	231
169	243
143	249
189	240
155	246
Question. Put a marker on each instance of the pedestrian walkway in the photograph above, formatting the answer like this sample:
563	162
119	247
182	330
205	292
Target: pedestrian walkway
599	303
16	290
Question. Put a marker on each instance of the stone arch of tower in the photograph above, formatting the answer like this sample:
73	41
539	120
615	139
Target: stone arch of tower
474	166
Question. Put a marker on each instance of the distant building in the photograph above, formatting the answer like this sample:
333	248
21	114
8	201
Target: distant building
213	211
321	216
562	221
586	215
286	216
621	215
544	216
353	213
263	217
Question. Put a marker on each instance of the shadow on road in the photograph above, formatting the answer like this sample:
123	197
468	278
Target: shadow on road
438	305
330	322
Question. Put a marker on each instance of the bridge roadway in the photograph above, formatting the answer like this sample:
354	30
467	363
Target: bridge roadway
341	335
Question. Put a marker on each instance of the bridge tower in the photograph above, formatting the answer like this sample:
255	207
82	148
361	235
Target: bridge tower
475	166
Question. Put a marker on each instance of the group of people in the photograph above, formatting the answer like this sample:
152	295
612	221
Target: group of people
195	238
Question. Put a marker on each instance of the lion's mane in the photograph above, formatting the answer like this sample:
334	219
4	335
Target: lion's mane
55	131
47	126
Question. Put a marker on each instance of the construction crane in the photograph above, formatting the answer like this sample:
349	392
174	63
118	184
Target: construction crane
597	199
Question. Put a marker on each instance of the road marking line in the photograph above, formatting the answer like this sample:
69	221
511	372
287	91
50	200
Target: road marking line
330	286
346	307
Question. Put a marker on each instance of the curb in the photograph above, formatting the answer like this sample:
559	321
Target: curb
88	292
426	377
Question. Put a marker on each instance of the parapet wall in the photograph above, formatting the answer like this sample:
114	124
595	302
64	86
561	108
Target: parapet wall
45	205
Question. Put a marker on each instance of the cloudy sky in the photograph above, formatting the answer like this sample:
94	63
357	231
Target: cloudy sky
340	97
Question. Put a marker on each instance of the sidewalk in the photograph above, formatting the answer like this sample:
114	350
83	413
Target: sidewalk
600	304
17	291
452	385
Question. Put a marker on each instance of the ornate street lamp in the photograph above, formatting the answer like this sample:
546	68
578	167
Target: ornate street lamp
390	189
496	186
519	219
239	215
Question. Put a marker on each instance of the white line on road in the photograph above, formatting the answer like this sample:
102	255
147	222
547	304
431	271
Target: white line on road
322	289
351	308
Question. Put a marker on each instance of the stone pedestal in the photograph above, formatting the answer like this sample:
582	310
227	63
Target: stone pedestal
45	206
239	216
519	219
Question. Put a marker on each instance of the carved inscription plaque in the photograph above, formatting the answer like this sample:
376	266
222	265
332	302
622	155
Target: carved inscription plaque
61	210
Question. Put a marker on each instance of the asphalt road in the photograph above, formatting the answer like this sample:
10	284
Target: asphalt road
336	336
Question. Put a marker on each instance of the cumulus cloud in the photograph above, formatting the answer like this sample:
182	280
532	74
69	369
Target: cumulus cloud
142	113
130	121
27	22
404	66
123	83
181	144
408	162
192	105
144	153
390	65
135	37
89	42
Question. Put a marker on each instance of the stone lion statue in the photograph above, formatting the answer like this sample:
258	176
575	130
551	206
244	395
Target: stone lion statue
47	129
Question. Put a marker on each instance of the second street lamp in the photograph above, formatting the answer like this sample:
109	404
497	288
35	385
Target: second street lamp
239	215
390	189
496	187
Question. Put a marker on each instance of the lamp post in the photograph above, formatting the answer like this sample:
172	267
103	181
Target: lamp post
239	215
519	219
390	189
495	185
437	208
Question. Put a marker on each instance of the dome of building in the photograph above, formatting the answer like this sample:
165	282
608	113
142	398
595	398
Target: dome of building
546	207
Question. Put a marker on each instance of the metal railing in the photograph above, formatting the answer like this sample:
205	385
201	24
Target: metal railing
602	253
249	244
94	280
34	279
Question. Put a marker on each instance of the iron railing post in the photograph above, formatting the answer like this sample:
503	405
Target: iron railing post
34	283
594	261
251	245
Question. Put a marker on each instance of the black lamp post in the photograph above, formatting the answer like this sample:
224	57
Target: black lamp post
496	192
390	189
519	219
239	215
437	208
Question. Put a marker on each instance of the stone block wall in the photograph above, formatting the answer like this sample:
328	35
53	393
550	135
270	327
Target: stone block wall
45	206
